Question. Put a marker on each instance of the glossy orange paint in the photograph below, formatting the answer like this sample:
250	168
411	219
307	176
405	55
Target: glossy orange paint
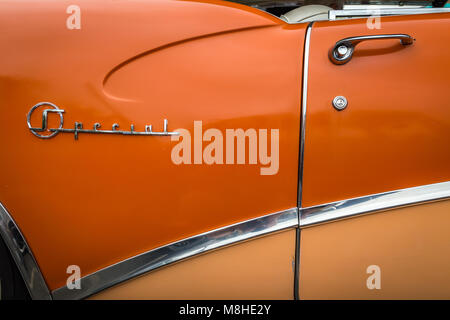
101	199
395	132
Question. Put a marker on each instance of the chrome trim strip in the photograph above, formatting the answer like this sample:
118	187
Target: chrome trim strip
177	251
360	13
303	112
377	202
301	154
23	257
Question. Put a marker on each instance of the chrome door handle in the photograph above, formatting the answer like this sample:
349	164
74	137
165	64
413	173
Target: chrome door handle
343	50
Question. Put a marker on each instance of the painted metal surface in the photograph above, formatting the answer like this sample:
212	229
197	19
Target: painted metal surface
107	199
409	246
104	198
177	251
396	130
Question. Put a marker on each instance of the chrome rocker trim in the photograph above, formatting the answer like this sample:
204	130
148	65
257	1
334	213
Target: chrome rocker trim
23	257
176	251
368	204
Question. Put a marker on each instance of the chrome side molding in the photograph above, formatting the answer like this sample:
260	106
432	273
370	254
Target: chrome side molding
151	260
361	13
23	257
378	202
205	242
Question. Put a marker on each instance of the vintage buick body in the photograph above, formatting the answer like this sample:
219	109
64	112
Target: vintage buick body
114	117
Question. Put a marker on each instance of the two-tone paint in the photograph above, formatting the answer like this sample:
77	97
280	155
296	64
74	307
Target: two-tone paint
119	208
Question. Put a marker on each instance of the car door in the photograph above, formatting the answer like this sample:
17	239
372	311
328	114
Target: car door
381	149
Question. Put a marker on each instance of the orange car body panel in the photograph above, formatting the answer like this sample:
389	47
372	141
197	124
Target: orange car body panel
101	199
257	269
394	132
409	245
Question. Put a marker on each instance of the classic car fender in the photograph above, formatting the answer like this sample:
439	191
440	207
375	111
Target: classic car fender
98	200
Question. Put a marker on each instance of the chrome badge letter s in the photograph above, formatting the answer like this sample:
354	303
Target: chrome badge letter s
36	130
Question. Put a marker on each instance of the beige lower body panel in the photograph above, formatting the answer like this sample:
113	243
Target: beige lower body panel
257	269
410	245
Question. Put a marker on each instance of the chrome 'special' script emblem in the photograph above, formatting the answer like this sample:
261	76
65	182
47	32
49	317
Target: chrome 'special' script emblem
78	126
